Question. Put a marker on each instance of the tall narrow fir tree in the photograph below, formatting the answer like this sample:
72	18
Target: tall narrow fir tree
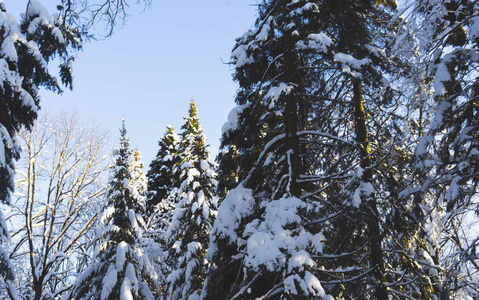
119	268
163	182
188	233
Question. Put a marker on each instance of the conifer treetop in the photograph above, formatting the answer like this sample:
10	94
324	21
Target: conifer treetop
162	178
192	122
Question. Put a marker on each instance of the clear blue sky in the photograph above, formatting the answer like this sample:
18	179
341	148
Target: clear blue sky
152	67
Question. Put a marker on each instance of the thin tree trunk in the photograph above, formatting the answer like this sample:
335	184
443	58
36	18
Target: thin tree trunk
291	119
374	232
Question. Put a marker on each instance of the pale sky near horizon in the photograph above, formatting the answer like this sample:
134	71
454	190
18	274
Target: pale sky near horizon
153	66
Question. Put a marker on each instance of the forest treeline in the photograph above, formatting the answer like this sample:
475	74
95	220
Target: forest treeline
347	170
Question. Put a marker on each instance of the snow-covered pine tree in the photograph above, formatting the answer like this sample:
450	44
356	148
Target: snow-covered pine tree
26	49
443	40
119	268
194	213
320	119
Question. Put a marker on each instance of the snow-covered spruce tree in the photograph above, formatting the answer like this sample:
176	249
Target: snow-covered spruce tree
188	233
161	176
445	39
119	268
316	215
26	49
163	180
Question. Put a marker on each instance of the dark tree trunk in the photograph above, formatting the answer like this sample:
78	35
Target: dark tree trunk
291	117
374	232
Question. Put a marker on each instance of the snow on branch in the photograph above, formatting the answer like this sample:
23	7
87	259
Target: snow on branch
265	150
275	92
318	42
235	207
233	119
323	134
351	65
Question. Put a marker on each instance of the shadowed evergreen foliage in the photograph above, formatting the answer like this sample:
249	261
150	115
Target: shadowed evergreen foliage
26	50
162	178
320	118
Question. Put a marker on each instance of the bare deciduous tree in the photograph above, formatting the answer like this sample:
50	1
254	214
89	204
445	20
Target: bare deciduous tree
84	14
60	180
